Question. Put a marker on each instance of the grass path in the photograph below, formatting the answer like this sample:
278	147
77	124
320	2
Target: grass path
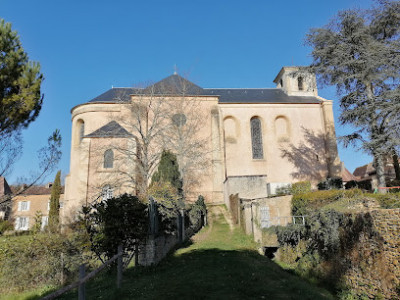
220	263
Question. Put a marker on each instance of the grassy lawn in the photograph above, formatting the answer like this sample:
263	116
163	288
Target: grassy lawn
219	263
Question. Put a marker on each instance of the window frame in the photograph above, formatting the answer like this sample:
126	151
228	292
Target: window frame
257	147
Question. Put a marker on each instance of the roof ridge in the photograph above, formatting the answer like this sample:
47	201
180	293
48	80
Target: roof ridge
242	89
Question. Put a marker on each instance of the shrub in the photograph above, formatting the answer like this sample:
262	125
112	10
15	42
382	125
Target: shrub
31	261
388	201
197	211
330	183
303	204
5	225
364	185
392	183
117	221
169	204
290	234
300	187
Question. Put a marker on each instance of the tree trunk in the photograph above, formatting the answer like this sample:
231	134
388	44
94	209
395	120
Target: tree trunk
396	165
379	162
380	173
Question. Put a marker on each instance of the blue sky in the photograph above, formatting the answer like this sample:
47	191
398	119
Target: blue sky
85	47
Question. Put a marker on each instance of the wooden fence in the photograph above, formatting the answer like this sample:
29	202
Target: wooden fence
83	278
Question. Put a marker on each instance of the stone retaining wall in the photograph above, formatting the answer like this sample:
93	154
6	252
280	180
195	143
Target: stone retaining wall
374	260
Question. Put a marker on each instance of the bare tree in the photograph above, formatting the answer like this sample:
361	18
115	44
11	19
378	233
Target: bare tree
159	117
49	156
10	150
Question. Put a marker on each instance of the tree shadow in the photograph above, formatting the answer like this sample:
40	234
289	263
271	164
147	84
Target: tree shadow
309	157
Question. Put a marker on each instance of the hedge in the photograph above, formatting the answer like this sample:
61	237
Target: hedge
303	203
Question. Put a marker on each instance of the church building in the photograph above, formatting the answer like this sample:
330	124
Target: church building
249	141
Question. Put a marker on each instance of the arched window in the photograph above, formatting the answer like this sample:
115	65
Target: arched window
256	138
107	192
300	83
108	159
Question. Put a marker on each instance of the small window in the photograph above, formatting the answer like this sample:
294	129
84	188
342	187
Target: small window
48	205
300	83
107	192
281	83
108	159
256	138
24	205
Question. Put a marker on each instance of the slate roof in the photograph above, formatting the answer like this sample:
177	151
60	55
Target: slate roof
112	129
258	96
177	85
115	95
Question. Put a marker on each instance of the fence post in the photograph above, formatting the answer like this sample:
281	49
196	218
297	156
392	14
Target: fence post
183	224
136	252
119	267
81	288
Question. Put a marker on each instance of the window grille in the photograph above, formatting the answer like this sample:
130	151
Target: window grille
23	205
108	159
22	223
256	138
107	192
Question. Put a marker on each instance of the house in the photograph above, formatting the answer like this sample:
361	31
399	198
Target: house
254	139
27	209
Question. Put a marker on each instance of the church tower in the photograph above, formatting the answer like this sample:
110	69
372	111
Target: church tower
295	81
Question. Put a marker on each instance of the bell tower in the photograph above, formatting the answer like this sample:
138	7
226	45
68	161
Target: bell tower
296	81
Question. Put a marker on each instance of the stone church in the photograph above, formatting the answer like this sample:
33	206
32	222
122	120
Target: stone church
252	140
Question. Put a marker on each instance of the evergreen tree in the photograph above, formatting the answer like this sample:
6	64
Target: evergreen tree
20	80
358	52
54	213
168	171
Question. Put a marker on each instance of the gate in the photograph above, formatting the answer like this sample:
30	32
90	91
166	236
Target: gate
265	217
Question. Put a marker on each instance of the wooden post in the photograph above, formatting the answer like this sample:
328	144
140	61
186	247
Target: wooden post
62	269
136	253
183	225
81	288
119	267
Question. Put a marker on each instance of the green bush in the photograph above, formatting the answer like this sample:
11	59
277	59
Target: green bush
117	221
290	234
31	261
197	210
300	187
5	225
330	183
303	204
388	201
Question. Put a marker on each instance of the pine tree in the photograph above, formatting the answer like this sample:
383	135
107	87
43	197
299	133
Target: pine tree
168	171
358	52
54	213
20	81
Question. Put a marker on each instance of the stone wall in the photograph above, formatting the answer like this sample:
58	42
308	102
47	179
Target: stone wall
374	258
154	249
277	211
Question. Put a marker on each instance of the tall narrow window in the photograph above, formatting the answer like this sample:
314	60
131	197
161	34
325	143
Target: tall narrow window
256	138
300	83
79	132
108	159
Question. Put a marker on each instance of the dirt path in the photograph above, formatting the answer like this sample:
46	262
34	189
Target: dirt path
220	210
